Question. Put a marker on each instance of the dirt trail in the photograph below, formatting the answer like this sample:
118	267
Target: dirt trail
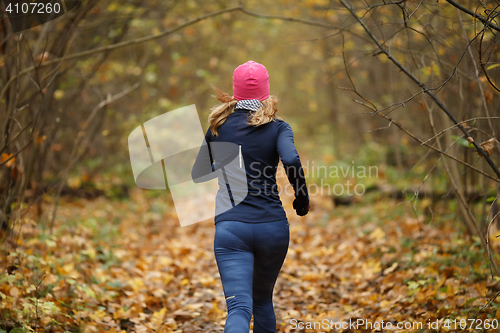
114	266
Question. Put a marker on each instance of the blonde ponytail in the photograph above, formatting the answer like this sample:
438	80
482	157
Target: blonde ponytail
265	114
219	113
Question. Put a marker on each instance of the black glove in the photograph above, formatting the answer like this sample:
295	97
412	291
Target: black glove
301	206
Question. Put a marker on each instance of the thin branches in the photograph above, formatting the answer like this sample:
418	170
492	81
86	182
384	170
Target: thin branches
367	103
74	156
454	126
115	46
425	89
486	21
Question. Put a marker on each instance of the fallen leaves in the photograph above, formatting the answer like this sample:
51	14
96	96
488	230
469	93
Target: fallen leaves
126	266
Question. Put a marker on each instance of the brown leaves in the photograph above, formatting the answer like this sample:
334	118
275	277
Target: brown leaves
43	57
144	273
488	146
464	124
488	96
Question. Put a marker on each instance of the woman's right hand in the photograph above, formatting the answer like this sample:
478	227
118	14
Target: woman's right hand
301	206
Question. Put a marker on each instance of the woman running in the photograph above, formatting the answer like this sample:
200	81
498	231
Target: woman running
244	144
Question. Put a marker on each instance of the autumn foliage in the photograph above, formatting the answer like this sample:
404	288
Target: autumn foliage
114	266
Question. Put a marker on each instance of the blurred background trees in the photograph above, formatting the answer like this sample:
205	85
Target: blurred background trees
66	114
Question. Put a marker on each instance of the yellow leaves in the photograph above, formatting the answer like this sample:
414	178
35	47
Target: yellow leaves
289	277
377	235
347	308
371	267
215	313
58	94
74	182
168	278
68	270
157	277
424	203
436	69
316	3
114	6
165	261
207	281
428	71
482	289
121	313
313	106
313	277
98	315
136	284
385	304
158	317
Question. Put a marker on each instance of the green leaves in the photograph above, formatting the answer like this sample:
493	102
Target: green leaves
462	141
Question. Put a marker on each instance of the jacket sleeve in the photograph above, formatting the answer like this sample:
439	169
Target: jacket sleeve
291	161
203	169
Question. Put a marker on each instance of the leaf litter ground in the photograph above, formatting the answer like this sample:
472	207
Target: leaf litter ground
127	266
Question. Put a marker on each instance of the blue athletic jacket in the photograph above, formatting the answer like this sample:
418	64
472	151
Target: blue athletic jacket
245	159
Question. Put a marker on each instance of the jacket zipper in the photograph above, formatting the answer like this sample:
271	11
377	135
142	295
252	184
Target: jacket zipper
240	157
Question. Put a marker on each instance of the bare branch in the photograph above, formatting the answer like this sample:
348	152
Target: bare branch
471	13
16	153
425	89
116	46
12	140
452	127
373	107
482	63
468	219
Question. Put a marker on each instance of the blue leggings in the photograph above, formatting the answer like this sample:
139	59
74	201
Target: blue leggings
249	257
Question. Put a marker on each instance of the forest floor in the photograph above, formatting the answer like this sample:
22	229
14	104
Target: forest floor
127	266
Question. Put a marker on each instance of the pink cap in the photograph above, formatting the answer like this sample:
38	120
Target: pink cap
251	81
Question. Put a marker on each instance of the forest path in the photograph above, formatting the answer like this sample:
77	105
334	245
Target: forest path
114	266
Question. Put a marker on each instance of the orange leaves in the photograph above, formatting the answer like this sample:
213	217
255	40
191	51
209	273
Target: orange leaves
146	274
488	96
7	159
39	140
